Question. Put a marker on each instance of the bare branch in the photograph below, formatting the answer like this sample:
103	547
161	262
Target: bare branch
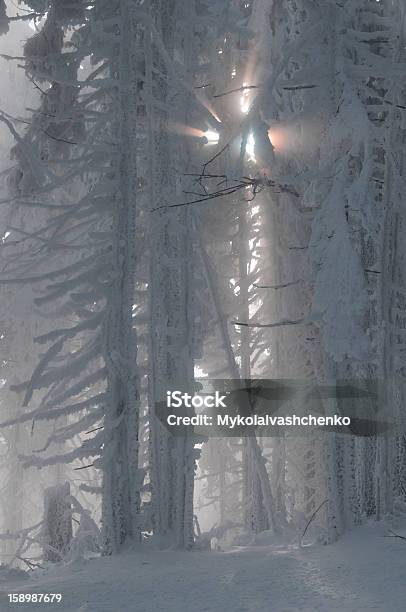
242	88
84	467
297	87
278	324
313	517
278	286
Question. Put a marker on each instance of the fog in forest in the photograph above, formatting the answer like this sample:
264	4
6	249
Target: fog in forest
204	200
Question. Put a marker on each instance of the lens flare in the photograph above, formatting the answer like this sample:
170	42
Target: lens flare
212	137
185	130
201	96
279	138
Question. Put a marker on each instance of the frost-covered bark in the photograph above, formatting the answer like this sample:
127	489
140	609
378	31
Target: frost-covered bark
121	481
57	528
171	267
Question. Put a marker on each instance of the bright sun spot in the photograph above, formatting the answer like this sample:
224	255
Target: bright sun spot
244	101
250	148
212	137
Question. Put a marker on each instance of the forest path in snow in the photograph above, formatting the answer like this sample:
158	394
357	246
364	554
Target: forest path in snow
363	571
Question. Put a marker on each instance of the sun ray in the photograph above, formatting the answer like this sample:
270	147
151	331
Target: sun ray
185	130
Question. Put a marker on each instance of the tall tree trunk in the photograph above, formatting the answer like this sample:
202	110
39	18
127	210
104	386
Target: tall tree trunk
120	458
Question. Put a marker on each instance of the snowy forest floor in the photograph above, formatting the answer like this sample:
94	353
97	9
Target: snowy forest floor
363	571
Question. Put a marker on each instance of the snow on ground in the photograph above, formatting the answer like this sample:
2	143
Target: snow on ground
364	571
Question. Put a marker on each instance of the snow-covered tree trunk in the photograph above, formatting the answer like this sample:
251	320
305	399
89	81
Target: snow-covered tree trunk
57	525
120	458
171	271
